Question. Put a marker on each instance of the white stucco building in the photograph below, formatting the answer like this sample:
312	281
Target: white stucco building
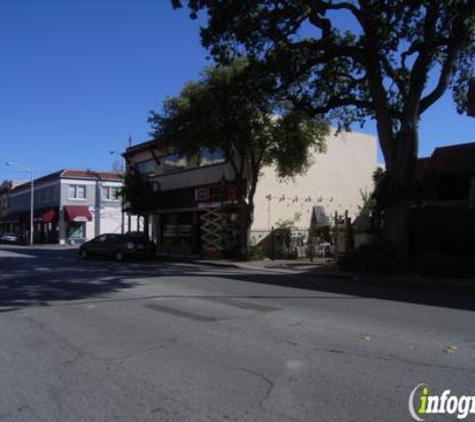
334	182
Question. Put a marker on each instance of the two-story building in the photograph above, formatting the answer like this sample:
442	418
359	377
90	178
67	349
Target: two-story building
70	206
198	211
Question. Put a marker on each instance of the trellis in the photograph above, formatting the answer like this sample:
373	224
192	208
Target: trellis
212	232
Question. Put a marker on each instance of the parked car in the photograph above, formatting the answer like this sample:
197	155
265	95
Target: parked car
142	237
118	246
10	238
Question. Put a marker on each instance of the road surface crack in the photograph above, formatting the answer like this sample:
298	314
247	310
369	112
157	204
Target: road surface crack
389	358
269	382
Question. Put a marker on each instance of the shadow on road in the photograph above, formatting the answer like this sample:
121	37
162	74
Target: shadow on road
440	296
37	277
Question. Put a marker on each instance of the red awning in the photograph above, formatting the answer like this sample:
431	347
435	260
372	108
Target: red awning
77	213
45	215
49	216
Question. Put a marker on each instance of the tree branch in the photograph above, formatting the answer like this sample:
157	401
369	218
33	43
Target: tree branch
443	82
344	5
421	65
332	104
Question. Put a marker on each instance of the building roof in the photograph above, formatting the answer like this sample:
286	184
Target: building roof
140	147
91	174
74	174
453	159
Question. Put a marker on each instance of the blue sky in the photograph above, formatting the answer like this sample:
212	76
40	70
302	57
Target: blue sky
76	77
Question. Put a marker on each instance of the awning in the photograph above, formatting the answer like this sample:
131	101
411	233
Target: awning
77	213
45	215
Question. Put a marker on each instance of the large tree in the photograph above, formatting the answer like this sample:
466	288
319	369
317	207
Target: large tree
355	60
229	110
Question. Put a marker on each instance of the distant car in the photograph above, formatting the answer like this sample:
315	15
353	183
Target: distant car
10	238
118	246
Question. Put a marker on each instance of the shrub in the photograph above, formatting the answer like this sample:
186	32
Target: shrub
255	253
377	256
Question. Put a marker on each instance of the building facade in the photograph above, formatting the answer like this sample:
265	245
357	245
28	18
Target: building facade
443	212
447	177
335	183
198	209
6	226
196	196
70	206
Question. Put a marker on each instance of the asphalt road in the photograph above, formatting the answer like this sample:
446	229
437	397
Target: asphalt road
103	341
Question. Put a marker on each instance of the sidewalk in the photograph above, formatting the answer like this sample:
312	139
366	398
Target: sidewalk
325	269
279	265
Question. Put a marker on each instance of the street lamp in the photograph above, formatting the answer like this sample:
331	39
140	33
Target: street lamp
8	163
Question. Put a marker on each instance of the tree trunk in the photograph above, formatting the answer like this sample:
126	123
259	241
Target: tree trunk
244	230
243	217
146	224
396	231
401	174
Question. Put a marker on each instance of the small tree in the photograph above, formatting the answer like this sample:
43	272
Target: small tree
229	110
138	195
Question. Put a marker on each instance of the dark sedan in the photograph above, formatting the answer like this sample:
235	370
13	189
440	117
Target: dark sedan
118	246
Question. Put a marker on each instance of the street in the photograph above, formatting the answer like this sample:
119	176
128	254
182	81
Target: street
99	341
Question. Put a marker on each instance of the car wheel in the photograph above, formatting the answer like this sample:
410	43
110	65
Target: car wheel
119	256
84	254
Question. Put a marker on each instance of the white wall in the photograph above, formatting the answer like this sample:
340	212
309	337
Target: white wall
334	181
111	222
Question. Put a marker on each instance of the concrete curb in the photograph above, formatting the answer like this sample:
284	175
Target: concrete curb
373	279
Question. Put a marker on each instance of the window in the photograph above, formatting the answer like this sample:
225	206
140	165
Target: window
174	162
202	194
146	167
77	192
110	193
100	239
208	157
